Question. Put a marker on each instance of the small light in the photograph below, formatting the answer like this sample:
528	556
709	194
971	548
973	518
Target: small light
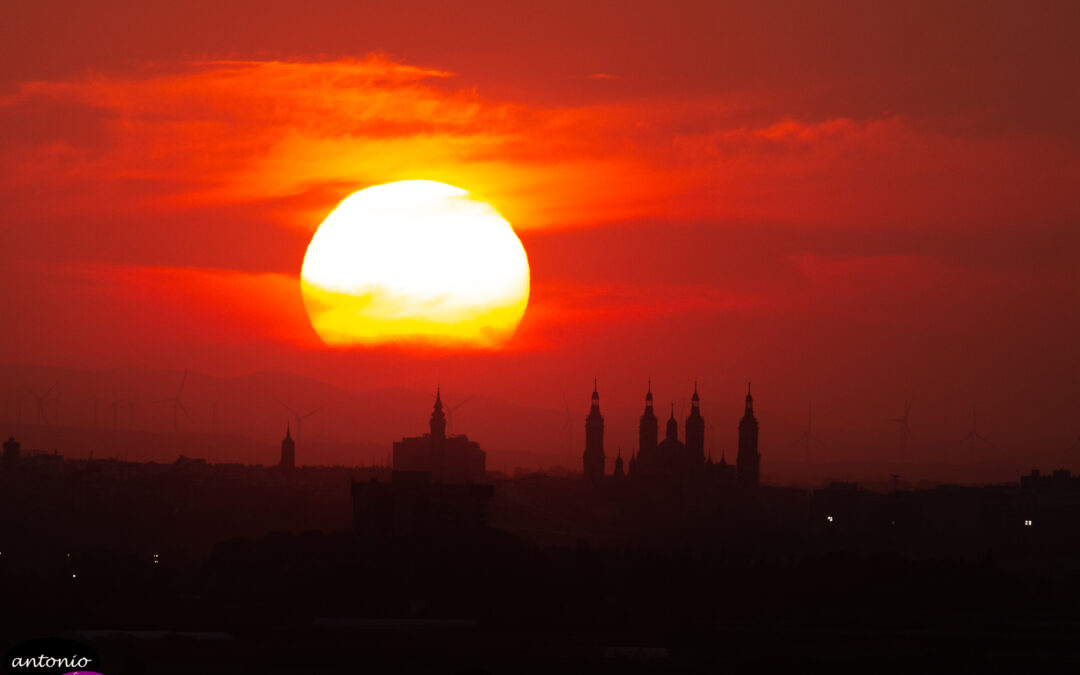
892	522
69	555
1027	523
829	518
156	561
72	576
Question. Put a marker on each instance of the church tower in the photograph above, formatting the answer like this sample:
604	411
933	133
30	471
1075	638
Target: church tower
438	419
672	426
594	441
695	431
288	451
619	472
748	461
649	427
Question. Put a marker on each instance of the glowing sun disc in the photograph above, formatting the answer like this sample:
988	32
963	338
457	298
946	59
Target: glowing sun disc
415	261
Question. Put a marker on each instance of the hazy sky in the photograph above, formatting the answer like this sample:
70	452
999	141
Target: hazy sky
854	203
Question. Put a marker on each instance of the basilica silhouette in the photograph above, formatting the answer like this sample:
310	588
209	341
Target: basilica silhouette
672	460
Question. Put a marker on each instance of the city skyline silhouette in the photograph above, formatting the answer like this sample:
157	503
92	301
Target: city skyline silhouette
485	338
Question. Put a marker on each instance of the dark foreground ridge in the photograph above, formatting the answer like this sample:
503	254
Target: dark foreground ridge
189	568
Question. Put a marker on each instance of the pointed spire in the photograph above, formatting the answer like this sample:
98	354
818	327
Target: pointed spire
438	417
673	410
288	431
695	399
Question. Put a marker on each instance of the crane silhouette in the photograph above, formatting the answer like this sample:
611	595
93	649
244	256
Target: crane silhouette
178	407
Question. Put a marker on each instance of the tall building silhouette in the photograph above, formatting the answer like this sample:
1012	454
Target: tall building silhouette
619	473
288	451
448	459
748	461
594	441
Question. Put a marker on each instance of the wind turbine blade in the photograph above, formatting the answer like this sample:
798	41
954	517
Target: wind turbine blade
184	410
182	381
291	411
467	399
49	390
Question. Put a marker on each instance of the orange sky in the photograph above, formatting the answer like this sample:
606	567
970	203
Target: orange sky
850	204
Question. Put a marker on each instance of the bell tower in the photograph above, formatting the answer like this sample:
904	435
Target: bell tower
594	441
695	430
438	419
748	461
649	427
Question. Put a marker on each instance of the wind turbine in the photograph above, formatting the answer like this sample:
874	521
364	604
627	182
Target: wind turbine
450	414
973	438
40	400
177	405
905	429
115	409
808	436
299	418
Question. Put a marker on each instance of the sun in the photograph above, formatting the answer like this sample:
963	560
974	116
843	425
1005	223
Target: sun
415	261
